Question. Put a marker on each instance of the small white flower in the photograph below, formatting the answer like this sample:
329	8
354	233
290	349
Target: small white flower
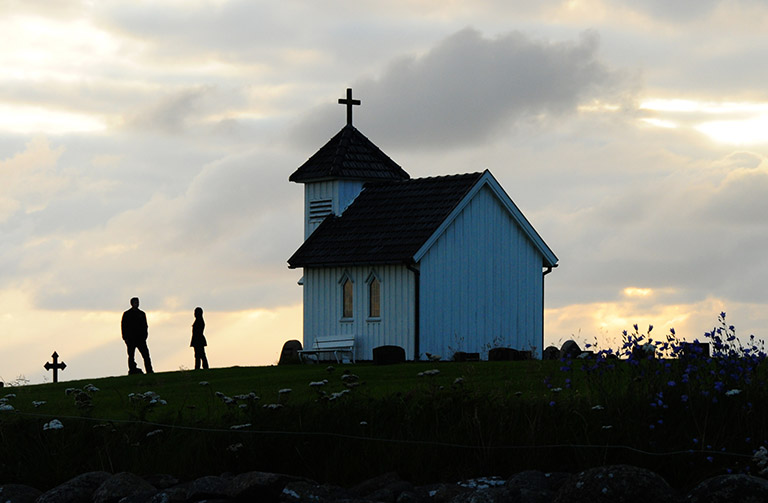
240	426
10	395
243	406
6	407
316	384
557	390
203	383
607	427
273	406
91	388
235	447
605	490
153	433
598	407
732	392
38	403
285	391
55	424
363	423
458	381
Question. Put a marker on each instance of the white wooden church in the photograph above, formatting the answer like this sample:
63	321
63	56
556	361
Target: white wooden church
433	265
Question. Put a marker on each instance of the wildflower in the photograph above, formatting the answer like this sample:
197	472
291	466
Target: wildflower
203	383
235	447
607	427
732	392
10	395
683	398
598	407
458	381
552	403
363	423
285	391
55	424
153	433
6	407
240	426
90	388
38	403
671	384
315	384
760	458
273	406
557	390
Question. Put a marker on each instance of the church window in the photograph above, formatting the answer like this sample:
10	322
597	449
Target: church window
374	298
347	291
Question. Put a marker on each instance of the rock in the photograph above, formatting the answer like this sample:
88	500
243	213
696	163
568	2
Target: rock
550	353
162	481
19	493
569	349
440	493
122	485
487	495
260	486
77	490
290	352
303	490
208	488
726	488
387	355
378	485
615	484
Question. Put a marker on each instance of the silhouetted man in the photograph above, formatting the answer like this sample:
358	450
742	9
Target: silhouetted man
135	331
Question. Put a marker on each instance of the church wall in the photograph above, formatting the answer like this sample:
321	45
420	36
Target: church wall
323	307
481	284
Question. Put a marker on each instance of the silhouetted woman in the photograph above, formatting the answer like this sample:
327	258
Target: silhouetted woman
198	339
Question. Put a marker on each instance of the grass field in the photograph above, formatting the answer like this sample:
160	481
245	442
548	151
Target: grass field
686	419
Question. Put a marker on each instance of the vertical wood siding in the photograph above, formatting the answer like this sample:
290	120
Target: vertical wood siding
323	307
481	284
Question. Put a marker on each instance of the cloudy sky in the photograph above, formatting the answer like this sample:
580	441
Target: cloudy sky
145	149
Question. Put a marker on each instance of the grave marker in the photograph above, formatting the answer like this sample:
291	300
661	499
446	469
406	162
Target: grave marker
55	366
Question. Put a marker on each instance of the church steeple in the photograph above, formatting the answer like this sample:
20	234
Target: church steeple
335	174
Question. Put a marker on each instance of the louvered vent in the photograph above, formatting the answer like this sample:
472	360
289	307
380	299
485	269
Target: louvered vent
320	209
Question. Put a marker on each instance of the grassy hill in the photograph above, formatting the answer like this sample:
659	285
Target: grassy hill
355	421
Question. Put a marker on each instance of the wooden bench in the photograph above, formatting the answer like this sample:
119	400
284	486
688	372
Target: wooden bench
336	344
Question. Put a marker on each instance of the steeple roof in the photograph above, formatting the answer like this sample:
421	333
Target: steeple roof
349	155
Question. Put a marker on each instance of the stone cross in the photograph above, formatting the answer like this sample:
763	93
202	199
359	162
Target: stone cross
55	366
349	102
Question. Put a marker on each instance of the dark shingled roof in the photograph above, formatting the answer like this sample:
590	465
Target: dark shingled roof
386	224
349	155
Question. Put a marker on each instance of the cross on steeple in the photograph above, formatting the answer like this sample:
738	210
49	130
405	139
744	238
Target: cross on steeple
349	102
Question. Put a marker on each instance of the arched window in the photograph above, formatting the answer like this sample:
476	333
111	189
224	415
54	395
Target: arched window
374	298
346	292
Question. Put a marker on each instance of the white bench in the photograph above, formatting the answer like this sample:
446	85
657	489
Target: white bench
336	344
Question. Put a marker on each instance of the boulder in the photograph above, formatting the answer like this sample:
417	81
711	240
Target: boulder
726	488
260	486
290	352
387	355
303	490
616	484
122	485
208	488
80	488
18	493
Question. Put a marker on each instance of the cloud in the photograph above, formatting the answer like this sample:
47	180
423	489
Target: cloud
469	88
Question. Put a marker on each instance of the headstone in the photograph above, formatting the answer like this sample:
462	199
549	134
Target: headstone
56	366
570	349
386	355
290	352
550	353
695	350
501	354
462	356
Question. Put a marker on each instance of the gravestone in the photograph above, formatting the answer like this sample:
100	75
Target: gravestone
290	352
570	349
462	356
501	354
550	353
56	366
387	355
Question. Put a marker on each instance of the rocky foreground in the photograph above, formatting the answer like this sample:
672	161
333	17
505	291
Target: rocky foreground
616	484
